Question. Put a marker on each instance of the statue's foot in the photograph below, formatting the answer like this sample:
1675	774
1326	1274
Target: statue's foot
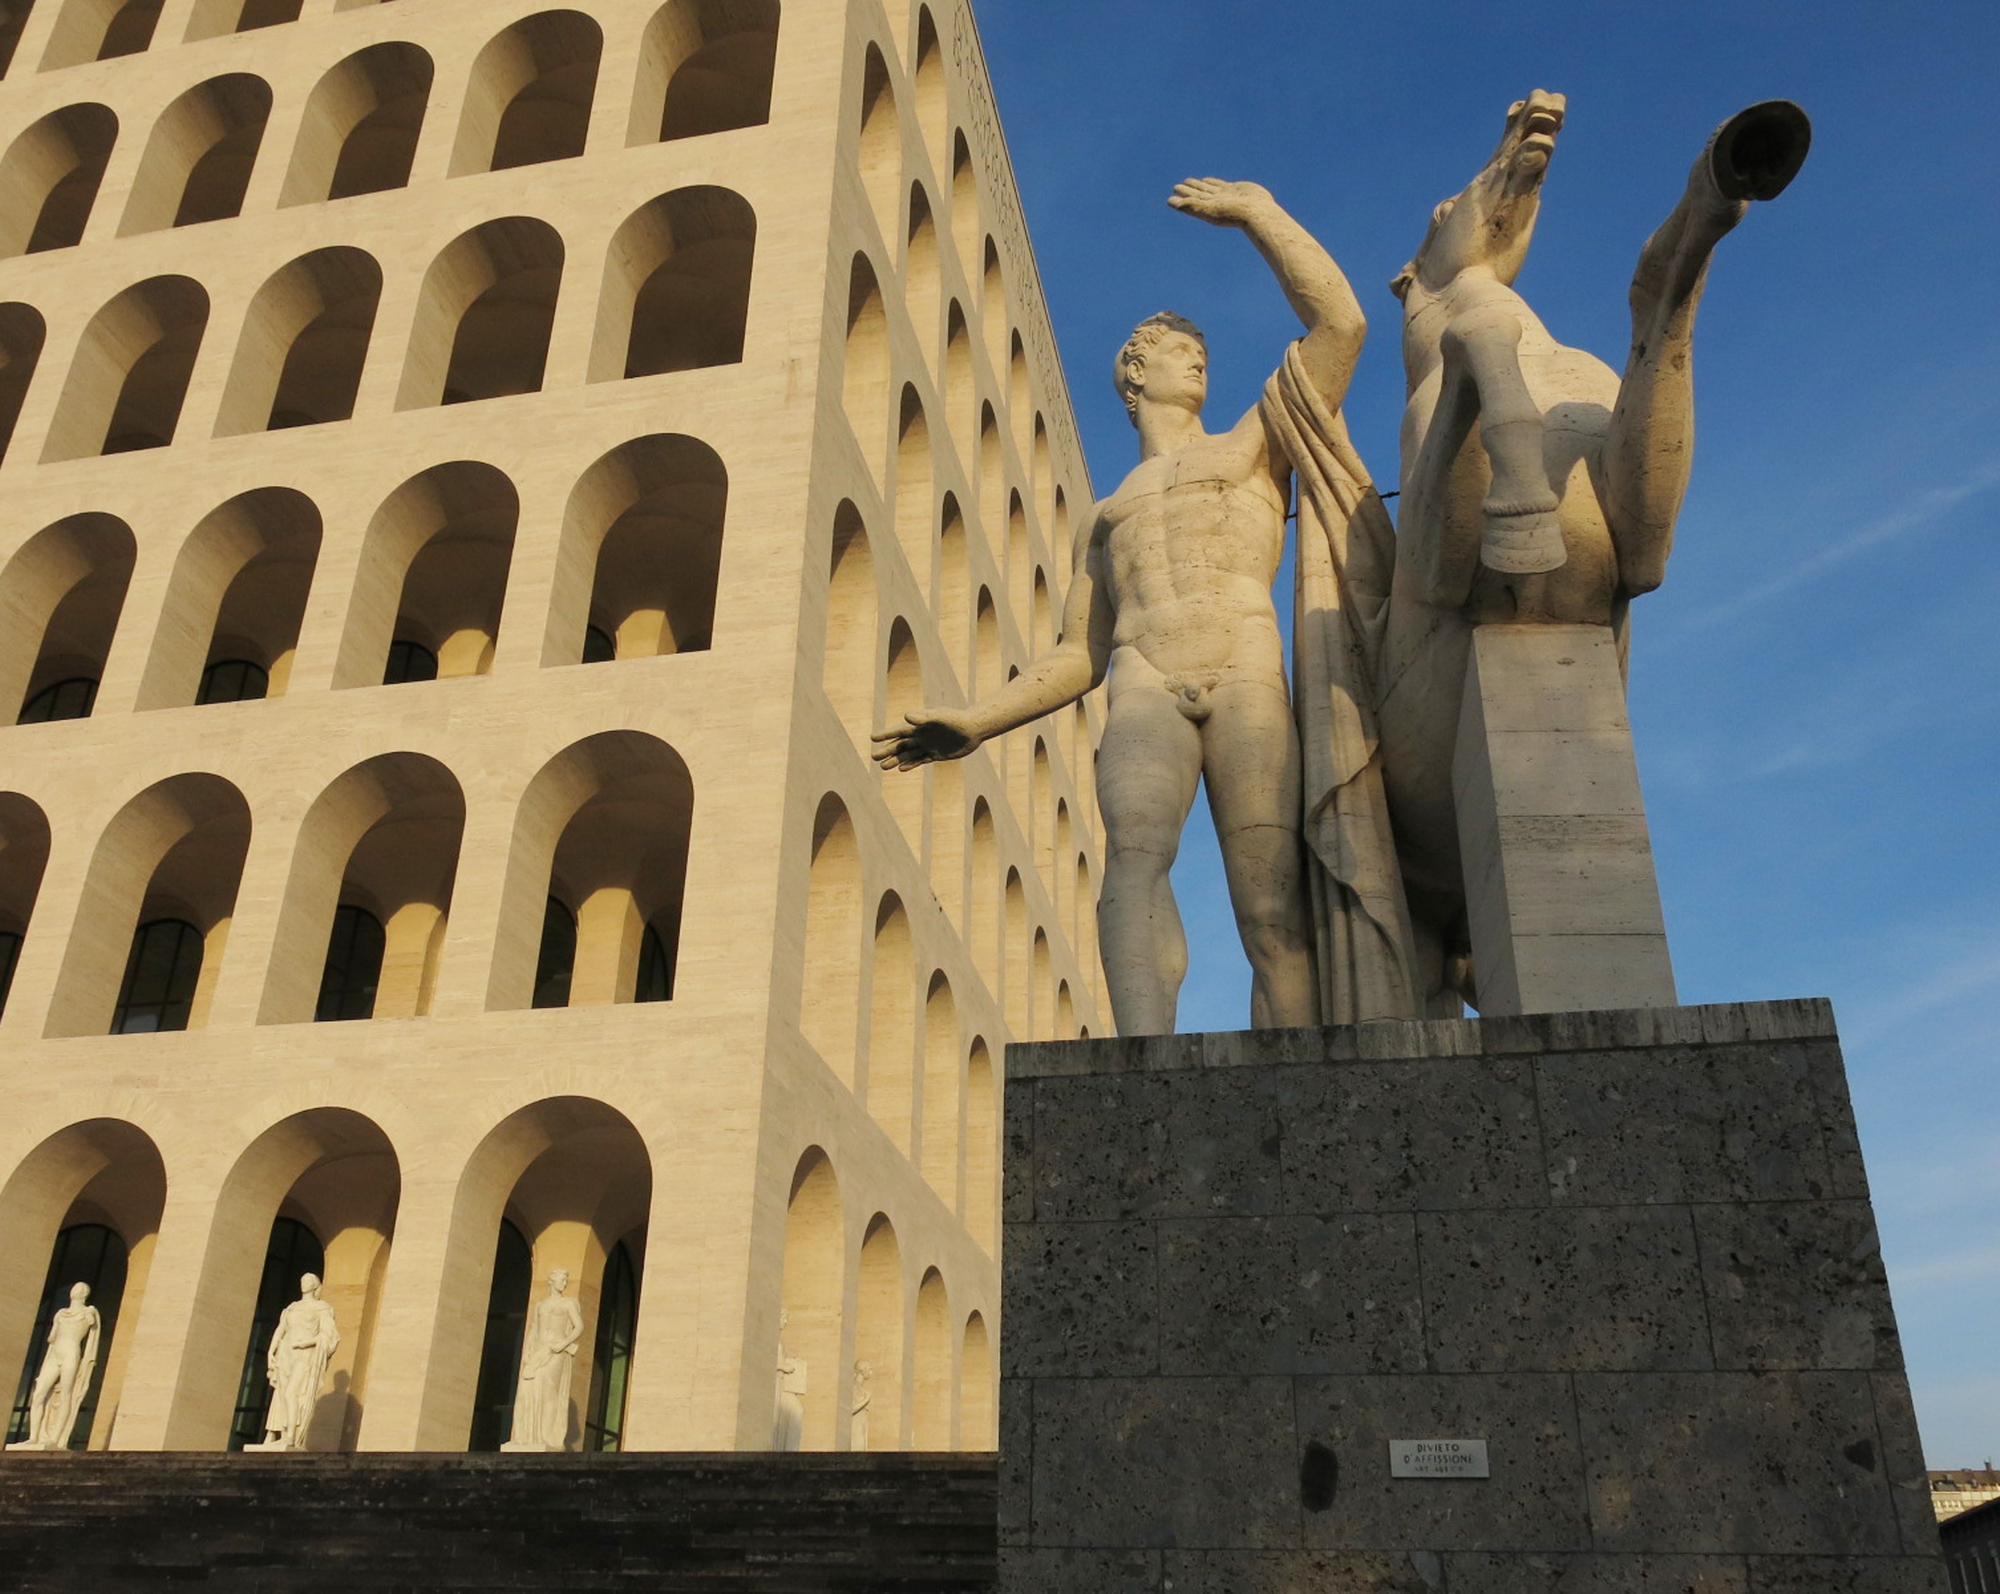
1522	542
1757	152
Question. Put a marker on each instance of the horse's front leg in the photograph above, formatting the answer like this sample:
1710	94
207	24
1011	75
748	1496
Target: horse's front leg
1649	446
1522	531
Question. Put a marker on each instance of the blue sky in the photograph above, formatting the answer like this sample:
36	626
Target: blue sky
1816	689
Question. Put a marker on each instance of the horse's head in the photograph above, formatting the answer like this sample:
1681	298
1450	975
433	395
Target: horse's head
1487	226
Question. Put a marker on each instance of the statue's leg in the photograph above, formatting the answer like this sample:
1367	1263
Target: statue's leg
1523	531
1649	445
1251	756
1147	768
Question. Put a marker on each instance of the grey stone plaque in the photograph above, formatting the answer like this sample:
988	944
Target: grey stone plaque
1438	1458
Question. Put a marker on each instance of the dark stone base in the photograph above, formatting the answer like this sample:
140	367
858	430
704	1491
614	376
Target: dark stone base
677	1524
1633	1251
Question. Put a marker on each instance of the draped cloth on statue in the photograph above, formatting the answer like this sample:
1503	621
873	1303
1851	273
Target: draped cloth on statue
1346	559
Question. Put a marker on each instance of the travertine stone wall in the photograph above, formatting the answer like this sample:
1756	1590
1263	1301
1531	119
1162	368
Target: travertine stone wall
1633	1251
525	334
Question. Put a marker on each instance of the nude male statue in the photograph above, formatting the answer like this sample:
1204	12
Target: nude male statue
301	1345
64	1376
1170	603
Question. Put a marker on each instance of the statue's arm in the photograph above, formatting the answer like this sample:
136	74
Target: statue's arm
1059	677
1317	289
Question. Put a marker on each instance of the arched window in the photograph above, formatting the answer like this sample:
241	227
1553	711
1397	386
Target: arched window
611	1357
500	1350
555	963
864	387
530	95
100	30
49	179
85	1253
485	314
598	645
233	681
72	699
213	18
204	147
160	978
131	371
409	661
304	344
881	146
13	18
677	286
705	67
353	966
22	333
359	132
656	968
10	959
294	1250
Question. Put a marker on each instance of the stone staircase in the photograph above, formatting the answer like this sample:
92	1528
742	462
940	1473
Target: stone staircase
678	1524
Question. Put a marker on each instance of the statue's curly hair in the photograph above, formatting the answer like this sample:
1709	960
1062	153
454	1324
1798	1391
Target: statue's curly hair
1145	336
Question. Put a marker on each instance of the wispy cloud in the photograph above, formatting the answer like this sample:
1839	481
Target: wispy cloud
1918	515
1973	973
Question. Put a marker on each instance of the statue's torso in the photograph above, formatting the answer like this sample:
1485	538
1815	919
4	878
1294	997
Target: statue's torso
1190	546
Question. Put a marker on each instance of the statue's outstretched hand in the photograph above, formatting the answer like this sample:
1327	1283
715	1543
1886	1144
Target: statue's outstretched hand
1226	204
928	736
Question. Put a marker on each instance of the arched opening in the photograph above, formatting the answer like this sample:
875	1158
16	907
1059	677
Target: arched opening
366	905
22	333
916	514
647	522
603	828
1041	814
1086	916
848	666
961	392
923	275
1014	952
24	854
485	314
993	307
676	286
530	94
992	483
878	1342
572	1179
1020	398
89	1199
943	1059
322	1186
1042	624
213	18
978	1423
964	202
904	693
808	1385
982	1150
60	598
1044	988
864	385
892	1024
1065	1012
947	855
230	622
304	344
1020	555
555	960
953	602
13	18
154	913
1045	486
199	159
831	983
361	124
92	1256
881	145
432	576
989	656
705	66
931	1409
933	99
982	931
100	30
1062	850
131	371
49	179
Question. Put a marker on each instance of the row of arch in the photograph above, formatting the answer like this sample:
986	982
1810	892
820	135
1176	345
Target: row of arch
590	910
641	555
705	66
675	297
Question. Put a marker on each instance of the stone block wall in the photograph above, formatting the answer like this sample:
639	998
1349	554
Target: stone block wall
1633	1251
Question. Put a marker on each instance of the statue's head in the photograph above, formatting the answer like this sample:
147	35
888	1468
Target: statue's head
78	1294
864	1370
1489	223
559	1279
308	1284
1164	361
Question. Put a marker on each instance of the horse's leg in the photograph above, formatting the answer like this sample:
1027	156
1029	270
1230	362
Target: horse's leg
1649	445
1441	495
1522	531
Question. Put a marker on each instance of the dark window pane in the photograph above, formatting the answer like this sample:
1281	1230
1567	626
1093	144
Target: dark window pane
598	648
409	661
656	970
233	681
85	1253
500	1355
10	956
558	956
611	1360
353	967
293	1250
66	700
160	977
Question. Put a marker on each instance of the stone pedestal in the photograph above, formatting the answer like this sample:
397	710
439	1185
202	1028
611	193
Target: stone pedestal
1630	1251
1559	884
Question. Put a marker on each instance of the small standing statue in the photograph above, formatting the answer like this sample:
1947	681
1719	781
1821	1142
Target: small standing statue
548	1357
64	1378
789	1424
857	1421
302	1344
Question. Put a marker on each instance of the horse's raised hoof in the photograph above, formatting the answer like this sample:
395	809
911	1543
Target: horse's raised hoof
1757	152
1523	544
